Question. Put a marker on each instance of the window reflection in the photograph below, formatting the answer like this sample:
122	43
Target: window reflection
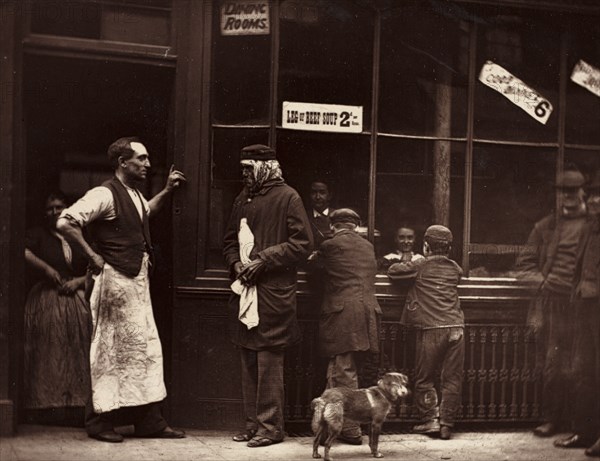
586	161
512	190
424	58
326	51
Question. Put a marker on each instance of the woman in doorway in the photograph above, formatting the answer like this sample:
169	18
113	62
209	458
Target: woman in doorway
57	325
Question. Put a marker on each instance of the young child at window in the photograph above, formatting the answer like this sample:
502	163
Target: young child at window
433	309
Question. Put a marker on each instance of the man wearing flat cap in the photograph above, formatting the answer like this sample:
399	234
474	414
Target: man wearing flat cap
268	235
349	319
585	358
433	309
548	263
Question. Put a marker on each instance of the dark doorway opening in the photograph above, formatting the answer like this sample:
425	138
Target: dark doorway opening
73	110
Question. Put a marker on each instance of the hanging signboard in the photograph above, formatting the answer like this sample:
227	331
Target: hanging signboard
244	17
322	117
514	89
587	76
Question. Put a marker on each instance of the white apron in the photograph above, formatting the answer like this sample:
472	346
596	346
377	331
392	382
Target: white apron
126	355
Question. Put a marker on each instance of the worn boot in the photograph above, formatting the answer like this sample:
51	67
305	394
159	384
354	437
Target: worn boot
445	432
427	427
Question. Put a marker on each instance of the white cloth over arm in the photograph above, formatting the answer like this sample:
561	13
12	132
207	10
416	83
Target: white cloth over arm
248	313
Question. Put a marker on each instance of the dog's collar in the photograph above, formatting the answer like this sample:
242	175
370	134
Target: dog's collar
388	395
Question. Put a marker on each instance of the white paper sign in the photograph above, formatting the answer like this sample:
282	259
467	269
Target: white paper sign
521	95
322	117
245	17
587	76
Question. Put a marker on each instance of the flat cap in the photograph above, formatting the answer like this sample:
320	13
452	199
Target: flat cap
439	232
345	215
570	179
257	152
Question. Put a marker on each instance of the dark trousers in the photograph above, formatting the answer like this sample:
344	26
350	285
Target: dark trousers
146	419
439	351
342	372
263	392
556	345
586	369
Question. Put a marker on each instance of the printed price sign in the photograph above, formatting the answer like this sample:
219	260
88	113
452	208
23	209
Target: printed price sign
243	17
587	76
322	117
515	90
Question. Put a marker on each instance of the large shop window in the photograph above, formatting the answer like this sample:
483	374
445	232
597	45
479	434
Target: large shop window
435	118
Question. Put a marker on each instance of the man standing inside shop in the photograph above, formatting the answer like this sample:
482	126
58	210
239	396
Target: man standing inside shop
549	263
126	355
268	235
320	198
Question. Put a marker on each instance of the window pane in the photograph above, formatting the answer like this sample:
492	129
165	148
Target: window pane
241	77
424	58
340	160
588	162
405	190
512	190
69	19
326	54
528	48
583	106
226	183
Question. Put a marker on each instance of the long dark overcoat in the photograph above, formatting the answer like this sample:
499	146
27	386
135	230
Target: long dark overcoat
350	312
282	238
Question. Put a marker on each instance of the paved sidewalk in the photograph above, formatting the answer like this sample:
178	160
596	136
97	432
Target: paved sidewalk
48	443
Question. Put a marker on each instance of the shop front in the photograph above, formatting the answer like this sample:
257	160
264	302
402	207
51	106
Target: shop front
413	113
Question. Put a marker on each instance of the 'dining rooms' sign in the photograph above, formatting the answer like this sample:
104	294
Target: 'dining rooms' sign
243	17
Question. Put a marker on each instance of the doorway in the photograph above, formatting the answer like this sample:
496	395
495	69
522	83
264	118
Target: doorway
73	110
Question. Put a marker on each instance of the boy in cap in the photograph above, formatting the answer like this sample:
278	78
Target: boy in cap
350	313
433	309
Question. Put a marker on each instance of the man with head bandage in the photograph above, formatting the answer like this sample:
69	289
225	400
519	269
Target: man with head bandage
281	238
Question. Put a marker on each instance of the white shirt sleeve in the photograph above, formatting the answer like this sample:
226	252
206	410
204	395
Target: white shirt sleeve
97	203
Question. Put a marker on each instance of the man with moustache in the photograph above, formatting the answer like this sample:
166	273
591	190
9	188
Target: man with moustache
126	354
548	264
585	357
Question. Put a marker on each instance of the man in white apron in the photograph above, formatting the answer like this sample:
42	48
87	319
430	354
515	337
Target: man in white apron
125	354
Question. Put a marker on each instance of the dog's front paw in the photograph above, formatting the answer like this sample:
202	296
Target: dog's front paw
316	455
377	455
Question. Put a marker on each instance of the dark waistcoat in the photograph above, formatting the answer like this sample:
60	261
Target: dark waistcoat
122	241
